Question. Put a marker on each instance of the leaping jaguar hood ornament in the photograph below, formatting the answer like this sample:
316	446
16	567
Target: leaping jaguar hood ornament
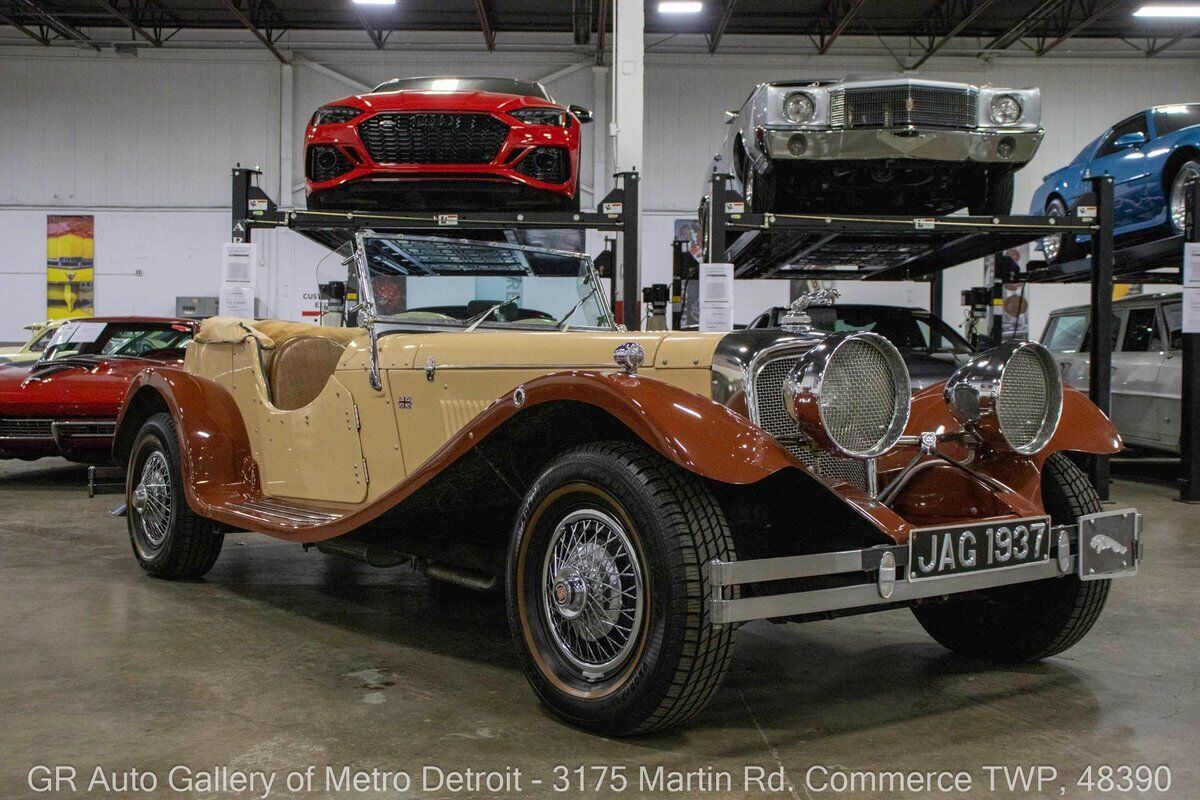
796	319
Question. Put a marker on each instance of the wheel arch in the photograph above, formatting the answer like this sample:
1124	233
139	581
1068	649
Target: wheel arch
1178	157
213	445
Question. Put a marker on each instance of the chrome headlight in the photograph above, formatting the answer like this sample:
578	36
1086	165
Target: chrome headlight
1006	109
1011	396
850	394
799	107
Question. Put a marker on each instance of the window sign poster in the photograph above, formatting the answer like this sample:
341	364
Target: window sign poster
70	266
716	297
1191	310
239	279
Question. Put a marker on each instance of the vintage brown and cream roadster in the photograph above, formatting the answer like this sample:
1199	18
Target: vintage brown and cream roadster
637	495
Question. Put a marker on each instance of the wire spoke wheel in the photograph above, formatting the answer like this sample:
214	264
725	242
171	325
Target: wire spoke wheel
152	500
592	593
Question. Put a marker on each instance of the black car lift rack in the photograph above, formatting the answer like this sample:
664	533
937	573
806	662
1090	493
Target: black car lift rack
888	247
253	209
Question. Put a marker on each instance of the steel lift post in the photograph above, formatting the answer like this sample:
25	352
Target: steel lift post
1101	343
1189	430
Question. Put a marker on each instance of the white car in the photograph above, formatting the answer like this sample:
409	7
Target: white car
39	337
1147	370
892	144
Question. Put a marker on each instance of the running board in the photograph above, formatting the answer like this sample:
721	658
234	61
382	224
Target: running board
279	514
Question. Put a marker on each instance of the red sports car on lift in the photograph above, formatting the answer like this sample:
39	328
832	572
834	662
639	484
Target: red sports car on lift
471	144
66	403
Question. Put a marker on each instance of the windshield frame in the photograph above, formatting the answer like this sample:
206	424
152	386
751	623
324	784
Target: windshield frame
367	297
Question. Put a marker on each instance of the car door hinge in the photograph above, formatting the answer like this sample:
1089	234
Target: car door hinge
366	474
357	419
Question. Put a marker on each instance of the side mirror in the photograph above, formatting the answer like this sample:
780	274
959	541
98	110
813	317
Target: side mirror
982	341
1134	139
582	114
730	116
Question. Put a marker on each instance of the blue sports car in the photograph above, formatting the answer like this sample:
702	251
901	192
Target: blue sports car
1150	155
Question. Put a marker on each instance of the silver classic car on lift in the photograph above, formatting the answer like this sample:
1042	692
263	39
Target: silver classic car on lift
880	145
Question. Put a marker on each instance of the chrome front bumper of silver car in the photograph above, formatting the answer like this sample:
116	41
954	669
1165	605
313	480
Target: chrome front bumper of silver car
926	144
1112	548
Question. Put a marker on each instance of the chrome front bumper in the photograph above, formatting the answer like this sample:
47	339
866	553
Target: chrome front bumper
886	567
926	144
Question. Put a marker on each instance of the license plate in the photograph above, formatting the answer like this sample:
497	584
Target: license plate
959	549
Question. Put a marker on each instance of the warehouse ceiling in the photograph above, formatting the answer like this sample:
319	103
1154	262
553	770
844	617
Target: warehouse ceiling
1033	27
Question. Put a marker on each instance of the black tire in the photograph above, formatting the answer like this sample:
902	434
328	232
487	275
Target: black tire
760	191
673	525
1068	248
1025	621
996	199
169	540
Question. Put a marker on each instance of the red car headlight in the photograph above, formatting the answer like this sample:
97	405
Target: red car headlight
542	116
328	115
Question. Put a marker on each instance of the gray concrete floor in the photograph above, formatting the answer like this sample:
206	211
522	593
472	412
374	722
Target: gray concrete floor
282	659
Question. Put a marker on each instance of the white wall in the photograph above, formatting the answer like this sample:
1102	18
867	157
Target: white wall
146	145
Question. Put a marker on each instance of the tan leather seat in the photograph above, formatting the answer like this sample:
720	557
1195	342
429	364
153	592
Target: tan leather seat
299	369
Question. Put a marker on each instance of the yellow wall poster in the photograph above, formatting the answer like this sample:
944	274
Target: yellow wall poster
70	266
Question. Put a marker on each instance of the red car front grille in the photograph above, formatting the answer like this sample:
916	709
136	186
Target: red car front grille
432	138
26	428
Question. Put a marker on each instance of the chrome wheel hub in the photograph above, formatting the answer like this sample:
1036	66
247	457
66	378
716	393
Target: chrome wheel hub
570	596
1178	203
151	499
592	589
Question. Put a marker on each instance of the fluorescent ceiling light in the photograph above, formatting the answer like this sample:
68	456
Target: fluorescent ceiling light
680	7
1167	11
374	2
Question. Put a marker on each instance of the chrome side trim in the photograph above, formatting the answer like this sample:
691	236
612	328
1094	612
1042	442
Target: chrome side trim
79	429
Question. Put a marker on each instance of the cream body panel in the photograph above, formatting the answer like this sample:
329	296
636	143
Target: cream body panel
493	349
379	438
316	453
442	407
472	370
312	453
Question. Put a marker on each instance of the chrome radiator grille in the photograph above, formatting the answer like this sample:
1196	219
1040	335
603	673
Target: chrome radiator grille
24	428
1022	403
891	106
858	398
769	414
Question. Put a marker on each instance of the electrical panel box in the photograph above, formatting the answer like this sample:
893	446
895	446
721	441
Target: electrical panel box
196	307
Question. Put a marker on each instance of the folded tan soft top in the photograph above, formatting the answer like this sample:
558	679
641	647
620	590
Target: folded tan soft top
268	332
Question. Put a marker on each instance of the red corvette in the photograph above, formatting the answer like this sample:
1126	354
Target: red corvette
66	403
471	144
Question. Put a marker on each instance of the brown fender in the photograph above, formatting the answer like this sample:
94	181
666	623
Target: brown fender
217	463
943	492
698	434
